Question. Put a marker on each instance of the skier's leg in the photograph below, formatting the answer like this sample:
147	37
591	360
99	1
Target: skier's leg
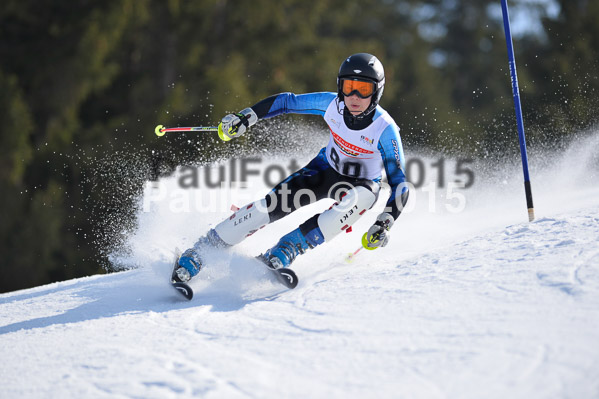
243	223
301	188
322	227
304	187
278	203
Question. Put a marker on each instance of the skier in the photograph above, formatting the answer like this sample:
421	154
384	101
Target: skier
364	139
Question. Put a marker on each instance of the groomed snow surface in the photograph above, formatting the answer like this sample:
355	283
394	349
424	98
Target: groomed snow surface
473	303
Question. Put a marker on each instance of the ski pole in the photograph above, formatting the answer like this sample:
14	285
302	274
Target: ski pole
350	257
518	108
160	130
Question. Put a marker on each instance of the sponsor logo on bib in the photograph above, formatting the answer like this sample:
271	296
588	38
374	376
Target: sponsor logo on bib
349	149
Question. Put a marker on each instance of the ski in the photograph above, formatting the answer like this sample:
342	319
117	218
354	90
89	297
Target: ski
286	276
180	287
183	289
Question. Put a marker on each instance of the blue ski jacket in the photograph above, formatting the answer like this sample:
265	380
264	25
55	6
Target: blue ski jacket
379	132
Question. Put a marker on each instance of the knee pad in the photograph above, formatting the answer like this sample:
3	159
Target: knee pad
243	223
345	213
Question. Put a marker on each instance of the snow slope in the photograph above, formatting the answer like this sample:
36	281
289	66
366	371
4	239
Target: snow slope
471	304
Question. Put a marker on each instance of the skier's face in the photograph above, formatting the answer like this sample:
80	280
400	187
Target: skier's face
356	105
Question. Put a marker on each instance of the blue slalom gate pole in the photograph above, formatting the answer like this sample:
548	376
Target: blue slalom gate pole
518	106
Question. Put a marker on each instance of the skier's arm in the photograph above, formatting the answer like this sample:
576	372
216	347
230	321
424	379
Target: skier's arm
393	161
391	151
289	103
234	125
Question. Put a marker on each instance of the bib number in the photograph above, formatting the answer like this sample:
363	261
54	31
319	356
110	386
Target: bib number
351	169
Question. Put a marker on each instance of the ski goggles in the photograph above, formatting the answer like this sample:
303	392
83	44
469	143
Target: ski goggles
363	89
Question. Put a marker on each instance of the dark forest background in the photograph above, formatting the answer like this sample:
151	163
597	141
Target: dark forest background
83	83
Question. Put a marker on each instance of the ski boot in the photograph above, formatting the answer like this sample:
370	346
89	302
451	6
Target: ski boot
287	249
190	262
188	265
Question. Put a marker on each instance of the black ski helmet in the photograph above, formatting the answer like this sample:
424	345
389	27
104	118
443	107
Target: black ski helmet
363	66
